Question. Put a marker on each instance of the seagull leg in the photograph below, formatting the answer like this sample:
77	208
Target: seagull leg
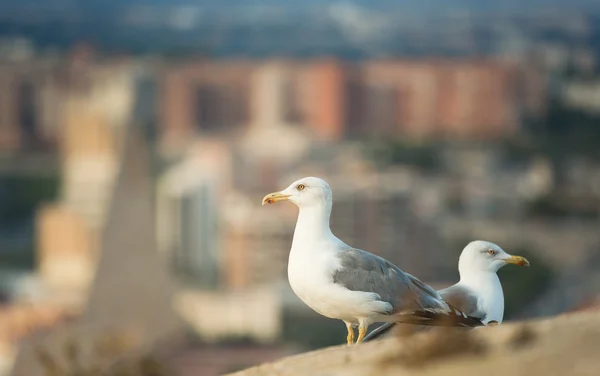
350	337
362	331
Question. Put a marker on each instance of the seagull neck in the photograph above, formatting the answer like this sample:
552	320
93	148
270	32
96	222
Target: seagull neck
313	224
479	279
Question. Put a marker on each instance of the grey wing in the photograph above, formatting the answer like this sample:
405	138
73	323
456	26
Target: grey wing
457	297
464	300
363	271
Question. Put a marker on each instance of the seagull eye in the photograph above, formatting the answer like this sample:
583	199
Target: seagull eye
300	187
491	252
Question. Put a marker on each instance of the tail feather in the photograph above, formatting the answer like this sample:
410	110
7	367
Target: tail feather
378	332
428	318
433	318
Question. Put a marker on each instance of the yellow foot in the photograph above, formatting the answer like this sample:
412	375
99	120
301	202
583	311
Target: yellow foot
362	332
350	337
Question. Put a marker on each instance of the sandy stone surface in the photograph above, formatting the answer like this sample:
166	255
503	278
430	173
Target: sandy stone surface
564	345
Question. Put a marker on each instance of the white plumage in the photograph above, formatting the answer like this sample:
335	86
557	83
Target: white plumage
342	282
478	293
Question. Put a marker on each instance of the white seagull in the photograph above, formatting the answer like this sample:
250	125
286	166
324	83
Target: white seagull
346	283
479	293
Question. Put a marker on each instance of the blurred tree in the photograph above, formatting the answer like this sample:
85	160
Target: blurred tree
551	206
388	152
20	195
522	286
18	258
519	150
570	132
312	332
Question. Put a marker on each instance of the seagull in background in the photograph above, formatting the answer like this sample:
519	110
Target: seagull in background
479	293
349	284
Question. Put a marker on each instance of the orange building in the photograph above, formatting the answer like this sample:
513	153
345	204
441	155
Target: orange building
453	99
421	98
204	96
327	99
226	96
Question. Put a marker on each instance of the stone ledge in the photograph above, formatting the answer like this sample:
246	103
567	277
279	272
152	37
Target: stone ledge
563	345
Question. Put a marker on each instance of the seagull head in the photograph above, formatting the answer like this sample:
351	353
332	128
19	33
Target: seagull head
485	256
305	192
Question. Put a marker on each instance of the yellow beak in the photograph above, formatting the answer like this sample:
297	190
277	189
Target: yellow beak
272	198
517	260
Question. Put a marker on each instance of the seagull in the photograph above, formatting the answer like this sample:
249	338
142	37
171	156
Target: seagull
478	294
345	283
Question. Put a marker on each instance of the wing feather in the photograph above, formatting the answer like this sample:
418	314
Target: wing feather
364	271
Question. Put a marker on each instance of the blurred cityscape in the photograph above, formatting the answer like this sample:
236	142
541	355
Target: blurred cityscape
137	139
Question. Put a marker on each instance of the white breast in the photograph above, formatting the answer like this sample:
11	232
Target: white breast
310	276
491	297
